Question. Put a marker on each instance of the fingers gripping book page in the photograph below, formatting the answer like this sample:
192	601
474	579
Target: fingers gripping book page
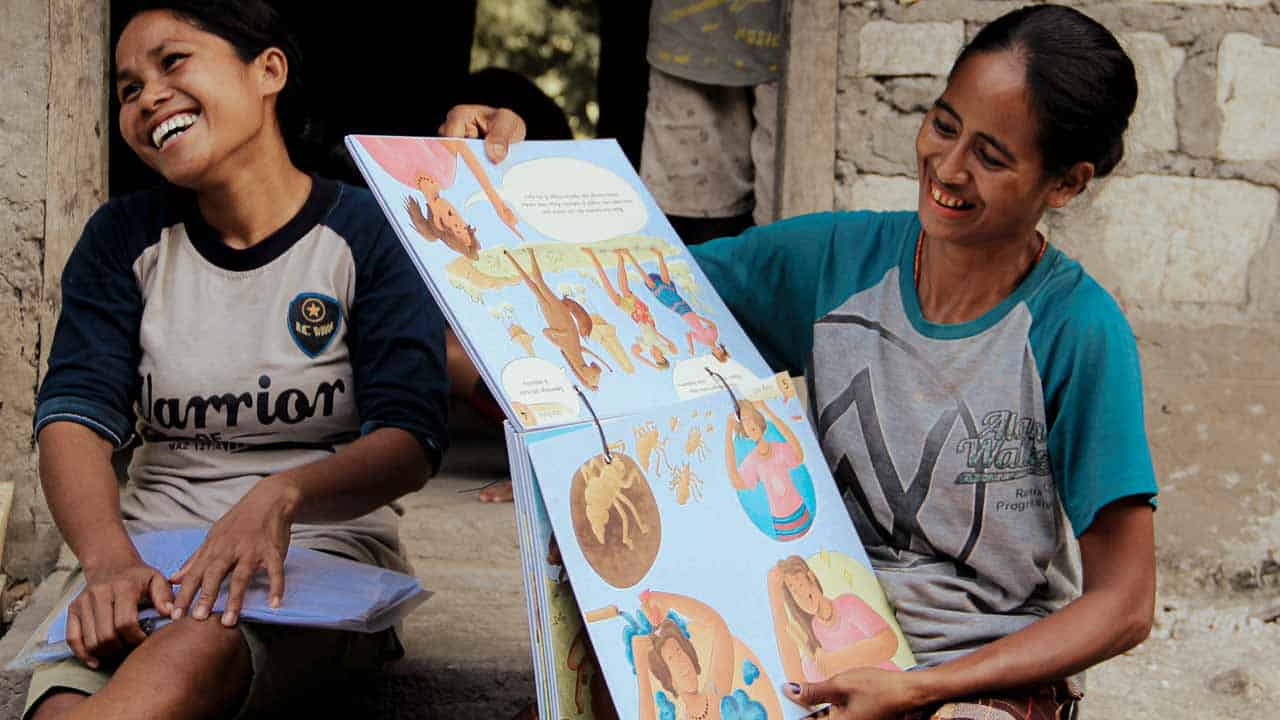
559	274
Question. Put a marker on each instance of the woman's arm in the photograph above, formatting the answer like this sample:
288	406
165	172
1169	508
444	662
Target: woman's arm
868	652
787	650
730	456
371	472
640	645
81	489
783	428
604	279
1113	615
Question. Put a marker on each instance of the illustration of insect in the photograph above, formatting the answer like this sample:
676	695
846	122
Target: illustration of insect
694	445
605	492
650	446
686	484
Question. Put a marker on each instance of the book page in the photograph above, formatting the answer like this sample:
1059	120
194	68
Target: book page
560	275
712	556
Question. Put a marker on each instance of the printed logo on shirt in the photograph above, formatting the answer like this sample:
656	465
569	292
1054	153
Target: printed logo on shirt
314	320
1007	447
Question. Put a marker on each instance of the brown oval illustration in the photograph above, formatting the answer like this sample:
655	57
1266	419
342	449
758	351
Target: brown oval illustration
615	518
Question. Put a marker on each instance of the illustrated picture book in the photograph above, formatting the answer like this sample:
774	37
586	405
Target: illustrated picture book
685	548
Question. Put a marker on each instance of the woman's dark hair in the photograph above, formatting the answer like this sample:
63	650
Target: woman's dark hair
250	26
1081	83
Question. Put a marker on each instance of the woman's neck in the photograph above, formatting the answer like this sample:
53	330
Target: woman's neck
256	198
960	283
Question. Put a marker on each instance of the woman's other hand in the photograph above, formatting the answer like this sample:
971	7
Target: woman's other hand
253	535
860	694
498	126
102	622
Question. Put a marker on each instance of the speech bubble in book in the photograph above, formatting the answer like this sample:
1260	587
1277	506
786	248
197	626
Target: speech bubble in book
615	518
540	392
572	200
691	378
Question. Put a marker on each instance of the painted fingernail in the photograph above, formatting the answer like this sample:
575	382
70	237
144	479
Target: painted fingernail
274	603
499	148
92	663
228	618
200	613
177	613
792	688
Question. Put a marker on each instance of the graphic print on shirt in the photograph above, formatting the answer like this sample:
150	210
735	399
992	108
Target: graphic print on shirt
314	320
997	447
210	421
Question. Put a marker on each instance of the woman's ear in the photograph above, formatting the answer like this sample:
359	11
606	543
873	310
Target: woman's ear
273	70
1069	184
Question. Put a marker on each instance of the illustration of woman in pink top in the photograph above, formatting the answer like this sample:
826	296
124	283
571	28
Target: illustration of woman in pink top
430	166
766	466
820	636
701	329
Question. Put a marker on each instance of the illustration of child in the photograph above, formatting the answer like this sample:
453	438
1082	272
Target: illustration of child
650	345
702	671
430	166
660	284
820	636
760	460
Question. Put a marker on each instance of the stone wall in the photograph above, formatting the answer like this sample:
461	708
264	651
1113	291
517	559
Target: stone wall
24	90
1186	229
1185	234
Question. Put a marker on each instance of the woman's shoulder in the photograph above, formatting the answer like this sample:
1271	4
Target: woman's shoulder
1073	313
126	225
355	216
1070	297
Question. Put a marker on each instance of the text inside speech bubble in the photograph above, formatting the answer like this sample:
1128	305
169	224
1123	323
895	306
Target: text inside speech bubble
539	392
571	200
691	379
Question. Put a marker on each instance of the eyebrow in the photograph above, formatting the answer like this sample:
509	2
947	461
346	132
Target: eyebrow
946	107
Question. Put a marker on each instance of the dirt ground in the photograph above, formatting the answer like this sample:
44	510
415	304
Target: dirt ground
1213	414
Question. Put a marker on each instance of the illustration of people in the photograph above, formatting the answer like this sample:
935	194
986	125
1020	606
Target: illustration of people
567	322
701	671
602	331
819	636
651	347
430	167
660	284
765	452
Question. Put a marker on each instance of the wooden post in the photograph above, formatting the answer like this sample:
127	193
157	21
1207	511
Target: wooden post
807	108
78	134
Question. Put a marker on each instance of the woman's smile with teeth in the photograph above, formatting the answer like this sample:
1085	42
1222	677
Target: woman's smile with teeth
948	201
171	128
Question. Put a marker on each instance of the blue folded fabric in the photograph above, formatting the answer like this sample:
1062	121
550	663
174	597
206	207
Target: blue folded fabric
321	591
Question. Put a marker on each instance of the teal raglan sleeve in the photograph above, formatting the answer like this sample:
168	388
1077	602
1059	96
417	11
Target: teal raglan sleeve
779	279
1092	379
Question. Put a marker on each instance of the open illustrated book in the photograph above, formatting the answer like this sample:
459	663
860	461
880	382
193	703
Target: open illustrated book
657	463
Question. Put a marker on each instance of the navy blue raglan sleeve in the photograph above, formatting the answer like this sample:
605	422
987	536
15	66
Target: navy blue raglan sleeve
396	338
93	362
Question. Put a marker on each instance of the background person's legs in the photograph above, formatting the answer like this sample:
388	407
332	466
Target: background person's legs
696	159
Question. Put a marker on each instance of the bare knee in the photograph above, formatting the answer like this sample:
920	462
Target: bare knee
56	703
203	664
